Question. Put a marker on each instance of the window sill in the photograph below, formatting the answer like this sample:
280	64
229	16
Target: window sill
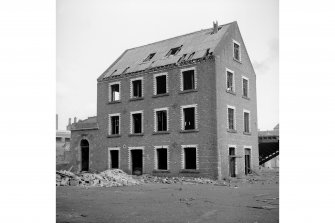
189	171
238	61
136	99
231	92
136	134
247	133
161	133
114	102
160	95
188	91
160	171
245	97
189	131
231	130
114	136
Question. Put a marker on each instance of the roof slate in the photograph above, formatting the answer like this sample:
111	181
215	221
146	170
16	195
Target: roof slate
197	42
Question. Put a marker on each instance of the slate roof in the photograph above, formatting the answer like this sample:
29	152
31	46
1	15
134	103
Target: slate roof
197	42
89	123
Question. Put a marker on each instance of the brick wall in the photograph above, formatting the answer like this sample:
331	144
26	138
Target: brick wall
204	97
224	59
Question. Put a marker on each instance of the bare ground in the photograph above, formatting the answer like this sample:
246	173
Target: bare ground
242	201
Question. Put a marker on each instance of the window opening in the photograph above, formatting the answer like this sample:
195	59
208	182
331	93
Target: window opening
189	118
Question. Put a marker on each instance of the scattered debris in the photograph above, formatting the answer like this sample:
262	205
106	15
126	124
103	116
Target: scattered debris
266	207
108	178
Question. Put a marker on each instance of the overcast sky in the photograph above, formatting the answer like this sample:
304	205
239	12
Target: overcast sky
92	34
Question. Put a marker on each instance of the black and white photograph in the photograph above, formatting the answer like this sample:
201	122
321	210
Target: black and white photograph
166	111
169	114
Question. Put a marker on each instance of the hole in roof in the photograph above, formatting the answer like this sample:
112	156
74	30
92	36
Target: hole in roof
125	70
149	57
207	52
182	58
191	56
174	51
114	72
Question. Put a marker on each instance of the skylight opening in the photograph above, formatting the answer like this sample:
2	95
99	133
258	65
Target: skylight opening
182	58
149	57
191	56
174	51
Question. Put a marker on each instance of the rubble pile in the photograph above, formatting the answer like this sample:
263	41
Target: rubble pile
178	180
108	178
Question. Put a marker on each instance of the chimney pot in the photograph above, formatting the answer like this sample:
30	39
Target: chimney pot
215	27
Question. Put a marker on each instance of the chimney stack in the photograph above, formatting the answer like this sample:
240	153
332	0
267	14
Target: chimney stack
56	122
75	120
215	27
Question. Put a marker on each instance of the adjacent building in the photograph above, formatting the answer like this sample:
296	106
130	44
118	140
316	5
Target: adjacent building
183	106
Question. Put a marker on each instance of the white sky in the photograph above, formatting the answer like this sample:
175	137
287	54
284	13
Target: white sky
92	34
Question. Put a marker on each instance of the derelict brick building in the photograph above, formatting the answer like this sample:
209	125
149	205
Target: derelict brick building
182	106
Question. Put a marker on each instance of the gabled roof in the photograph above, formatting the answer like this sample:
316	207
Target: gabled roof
200	43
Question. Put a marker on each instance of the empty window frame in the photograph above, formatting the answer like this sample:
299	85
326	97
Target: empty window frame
237	51
189	114
190	160
136	87
160	84
114	124
161	157
136	122
231	123
188	79
114	158
245	87
114	91
230	80
161	119
149	57
173	51
246	121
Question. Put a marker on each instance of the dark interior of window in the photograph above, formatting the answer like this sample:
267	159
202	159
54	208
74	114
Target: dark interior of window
246	122
149	57
188	79
67	139
115	125
245	87
161	121
115	92
58	139
231	151
162	159
137	123
161	84
137	88
231	118
229	81
236	51
190	158
114	159
189	118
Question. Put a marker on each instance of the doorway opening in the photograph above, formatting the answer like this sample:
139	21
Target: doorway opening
137	161
247	162
85	152
114	159
232	162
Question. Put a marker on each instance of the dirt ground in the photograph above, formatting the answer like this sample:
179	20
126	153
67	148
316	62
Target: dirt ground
240	201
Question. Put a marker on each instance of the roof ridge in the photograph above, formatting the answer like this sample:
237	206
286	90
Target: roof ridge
179	36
